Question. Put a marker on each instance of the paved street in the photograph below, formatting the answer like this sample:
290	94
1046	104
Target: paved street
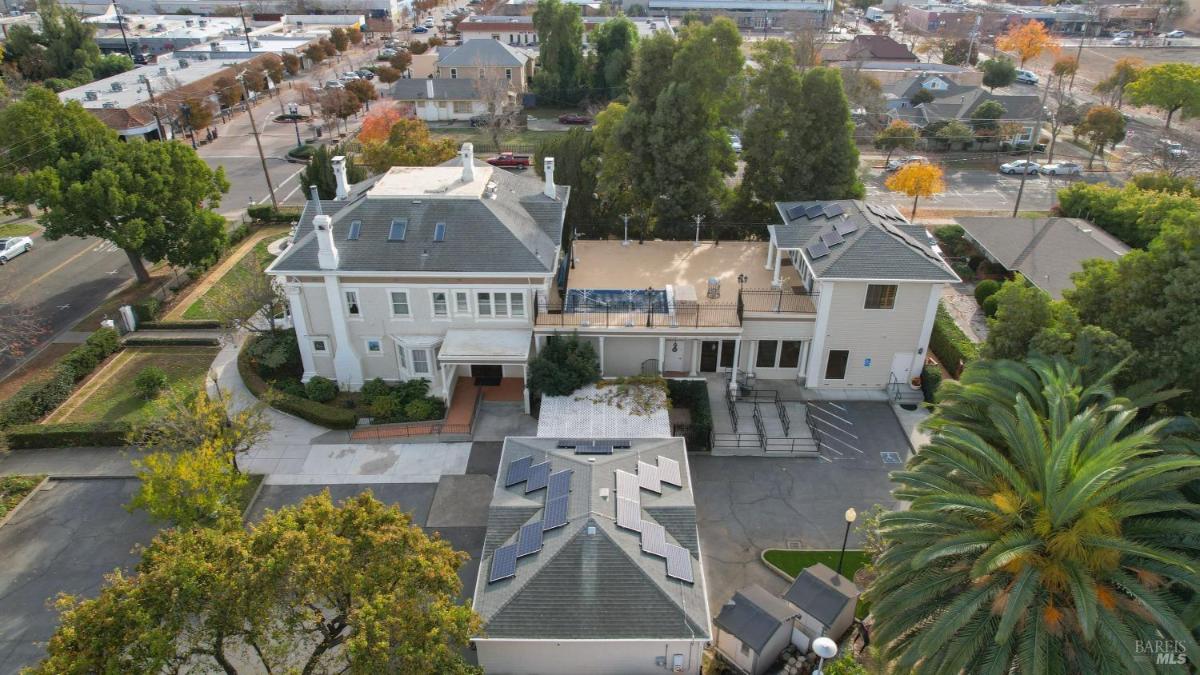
983	190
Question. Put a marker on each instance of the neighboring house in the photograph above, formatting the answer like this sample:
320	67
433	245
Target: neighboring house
1046	250
868	48
753	629
424	273
519	30
434	99
591	561
952	101
825	603
888	72
487	59
748	14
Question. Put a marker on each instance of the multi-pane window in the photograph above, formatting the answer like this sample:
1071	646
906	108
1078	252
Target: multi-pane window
778	354
403	357
516	304
501	305
420	361
484	300
352	308
441	307
400	303
462	303
881	296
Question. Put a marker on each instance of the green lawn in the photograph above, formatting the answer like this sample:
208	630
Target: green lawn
17	229
13	489
483	140
793	562
235	275
186	369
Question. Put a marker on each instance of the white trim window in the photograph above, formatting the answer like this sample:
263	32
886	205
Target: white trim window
462	303
353	308
403	357
439	302
420	362
500	305
880	296
320	344
374	346
400	307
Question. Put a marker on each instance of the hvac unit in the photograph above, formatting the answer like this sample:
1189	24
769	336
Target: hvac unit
117	86
91	96
108	104
183	63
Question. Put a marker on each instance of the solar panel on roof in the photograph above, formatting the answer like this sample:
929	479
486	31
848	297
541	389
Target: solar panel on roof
796	212
668	471
648	477
831	238
654	538
845	227
817	250
814	211
555	514
627	485
539	475
679	563
833	210
504	563
559	485
629	514
529	541
593	448
518	471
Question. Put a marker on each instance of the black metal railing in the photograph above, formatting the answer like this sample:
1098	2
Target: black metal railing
736	441
692	316
802	447
733	413
783	417
778	300
812	427
758	425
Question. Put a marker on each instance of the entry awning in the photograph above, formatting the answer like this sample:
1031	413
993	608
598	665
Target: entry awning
502	345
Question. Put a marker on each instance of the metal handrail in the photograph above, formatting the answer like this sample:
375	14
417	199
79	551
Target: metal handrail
894	385
795	446
783	417
733	414
777	301
812	428
758	424
759	395
738	441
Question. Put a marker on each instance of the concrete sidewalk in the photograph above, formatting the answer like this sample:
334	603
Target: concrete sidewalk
58	462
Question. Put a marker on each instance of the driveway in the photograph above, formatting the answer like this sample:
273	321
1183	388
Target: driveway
747	504
63	541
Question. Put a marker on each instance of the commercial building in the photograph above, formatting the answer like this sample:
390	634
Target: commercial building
750	14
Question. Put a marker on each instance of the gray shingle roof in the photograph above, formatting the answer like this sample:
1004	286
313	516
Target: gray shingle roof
444	89
821	593
909	86
481	52
1046	250
581	584
519	231
960	106
753	615
884	246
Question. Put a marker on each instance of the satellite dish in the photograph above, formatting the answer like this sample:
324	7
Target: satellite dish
825	648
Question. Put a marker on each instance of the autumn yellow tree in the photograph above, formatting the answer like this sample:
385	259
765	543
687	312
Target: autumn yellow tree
379	122
408	143
1028	41
917	180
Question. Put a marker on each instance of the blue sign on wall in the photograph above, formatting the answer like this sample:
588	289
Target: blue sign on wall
866	363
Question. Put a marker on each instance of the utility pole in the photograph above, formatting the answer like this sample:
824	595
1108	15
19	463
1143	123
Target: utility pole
1079	53
699	219
121	25
1033	141
625	217
162	134
254	127
246	33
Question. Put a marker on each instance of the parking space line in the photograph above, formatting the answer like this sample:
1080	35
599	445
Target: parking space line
833	415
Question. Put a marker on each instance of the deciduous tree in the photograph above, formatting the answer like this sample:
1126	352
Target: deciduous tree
998	73
561	65
228	90
614	43
1170	87
899	135
315	53
291	63
1027	40
1101	126
955	52
407	143
339	38
311	588
363	90
918	179
249	299
1112	88
388	74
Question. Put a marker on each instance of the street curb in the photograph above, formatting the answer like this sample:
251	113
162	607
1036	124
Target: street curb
25	500
254	498
762	556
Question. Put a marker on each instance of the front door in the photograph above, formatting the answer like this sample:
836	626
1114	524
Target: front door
728	348
902	367
708	356
487	376
674	358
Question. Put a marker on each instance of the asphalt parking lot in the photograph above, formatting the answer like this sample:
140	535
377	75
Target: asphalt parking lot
63	541
747	504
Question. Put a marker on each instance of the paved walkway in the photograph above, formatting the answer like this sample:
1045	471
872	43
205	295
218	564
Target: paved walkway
62	462
214	275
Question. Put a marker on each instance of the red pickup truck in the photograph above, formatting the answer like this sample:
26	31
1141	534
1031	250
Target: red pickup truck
508	160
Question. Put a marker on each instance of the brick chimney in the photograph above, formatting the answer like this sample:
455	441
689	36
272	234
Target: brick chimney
468	162
339	172
327	253
548	169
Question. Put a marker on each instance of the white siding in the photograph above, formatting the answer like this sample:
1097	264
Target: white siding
625	355
594	657
731	648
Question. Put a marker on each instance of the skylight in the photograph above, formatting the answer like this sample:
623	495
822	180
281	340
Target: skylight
439	232
355	229
398	229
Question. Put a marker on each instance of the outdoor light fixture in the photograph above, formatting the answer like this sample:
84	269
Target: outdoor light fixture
851	516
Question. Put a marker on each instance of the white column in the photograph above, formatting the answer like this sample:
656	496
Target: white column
695	359
770	252
300	322
662	353
525	380
601	356
778	261
935	296
751	357
346	365
737	355
817	351
804	347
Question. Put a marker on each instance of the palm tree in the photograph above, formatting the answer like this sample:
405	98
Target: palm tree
1047	532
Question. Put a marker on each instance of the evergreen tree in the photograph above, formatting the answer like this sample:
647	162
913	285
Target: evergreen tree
319	172
829	148
770	132
560	58
573	154
615	44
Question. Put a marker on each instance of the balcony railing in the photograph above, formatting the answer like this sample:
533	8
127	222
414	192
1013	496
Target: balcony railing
680	316
778	300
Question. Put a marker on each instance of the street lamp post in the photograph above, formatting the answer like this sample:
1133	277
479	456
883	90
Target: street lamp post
851	516
294	109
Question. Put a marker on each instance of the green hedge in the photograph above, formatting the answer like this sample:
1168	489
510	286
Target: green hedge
952	346
317	413
178	325
931	379
174	341
80	434
693	395
39	398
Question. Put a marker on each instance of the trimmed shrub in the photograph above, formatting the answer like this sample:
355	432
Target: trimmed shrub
150	382
564	365
985	289
237	234
260	212
990	305
292	388
386	408
147	309
931	379
105	341
693	395
37	399
180	341
317	413
951	346
321	389
178	325
82	360
423	409
374	389
80	434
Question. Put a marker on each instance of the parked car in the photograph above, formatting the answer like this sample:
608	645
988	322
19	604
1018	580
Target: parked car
1172	148
334	84
1121	42
350	76
420	29
1026	77
366	74
385	54
428	22
895	164
1020	166
736	143
509	160
13	247
1123	34
1175	34
571	118
1062	169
